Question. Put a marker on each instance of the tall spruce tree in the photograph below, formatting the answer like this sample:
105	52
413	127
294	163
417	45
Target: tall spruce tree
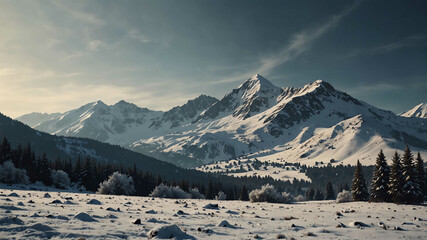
318	195
421	179
411	189
329	192
358	188
244	196
380	180
396	179
44	171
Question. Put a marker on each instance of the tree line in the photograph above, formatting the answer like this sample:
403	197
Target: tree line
402	182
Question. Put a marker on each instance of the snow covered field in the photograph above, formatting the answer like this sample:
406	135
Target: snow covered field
26	214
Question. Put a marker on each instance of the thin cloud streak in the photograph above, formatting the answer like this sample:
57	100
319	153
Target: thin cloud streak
299	44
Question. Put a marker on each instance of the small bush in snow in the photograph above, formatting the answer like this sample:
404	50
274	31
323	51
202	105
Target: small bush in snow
299	198
60	179
195	194
268	193
163	191
117	184
221	196
10	174
344	196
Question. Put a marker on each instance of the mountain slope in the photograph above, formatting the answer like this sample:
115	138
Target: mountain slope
34	119
419	111
70	148
314	123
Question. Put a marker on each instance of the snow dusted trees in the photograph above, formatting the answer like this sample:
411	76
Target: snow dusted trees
358	188
396	180
380	180
344	196
60	179
10	174
117	184
421	180
268	193
411	189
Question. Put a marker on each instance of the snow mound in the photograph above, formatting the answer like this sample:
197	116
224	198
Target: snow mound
225	223
13	195
85	217
11	220
41	227
94	201
168	232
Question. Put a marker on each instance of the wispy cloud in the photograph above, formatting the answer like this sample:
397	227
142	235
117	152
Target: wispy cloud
78	14
137	35
300	43
411	41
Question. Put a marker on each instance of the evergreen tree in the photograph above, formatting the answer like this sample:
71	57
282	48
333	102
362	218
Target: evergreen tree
421	179
309	195
318	195
330	195
5	151
396	180
358	188
44	171
244	196
88	176
380	180
210	191
77	172
411	189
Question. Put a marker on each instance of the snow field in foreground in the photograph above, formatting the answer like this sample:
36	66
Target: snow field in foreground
34	214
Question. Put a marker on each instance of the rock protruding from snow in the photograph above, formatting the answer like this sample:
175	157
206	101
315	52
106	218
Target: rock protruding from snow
225	223
168	232
94	201
85	217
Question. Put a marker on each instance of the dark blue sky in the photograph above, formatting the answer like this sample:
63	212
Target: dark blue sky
57	55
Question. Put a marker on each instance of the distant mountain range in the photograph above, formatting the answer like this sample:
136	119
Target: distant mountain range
312	124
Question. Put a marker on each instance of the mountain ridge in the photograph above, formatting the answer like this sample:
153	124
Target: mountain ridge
260	120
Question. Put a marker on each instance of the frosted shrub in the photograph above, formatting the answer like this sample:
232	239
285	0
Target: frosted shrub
117	184
195	194
344	196
10	174
60	179
268	193
221	196
299	198
164	191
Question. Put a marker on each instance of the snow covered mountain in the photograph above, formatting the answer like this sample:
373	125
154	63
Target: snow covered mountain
121	123
34	119
312	125
419	111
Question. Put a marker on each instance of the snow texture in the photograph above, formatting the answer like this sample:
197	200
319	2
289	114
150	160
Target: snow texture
232	220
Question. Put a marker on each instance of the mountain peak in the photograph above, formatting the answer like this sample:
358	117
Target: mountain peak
419	111
257	83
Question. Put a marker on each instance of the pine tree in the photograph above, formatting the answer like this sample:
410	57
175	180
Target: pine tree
358	188
330	195
396	180
44	171
309	195
244	194
421	180
77	172
380	180
210	191
318	195
411	189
